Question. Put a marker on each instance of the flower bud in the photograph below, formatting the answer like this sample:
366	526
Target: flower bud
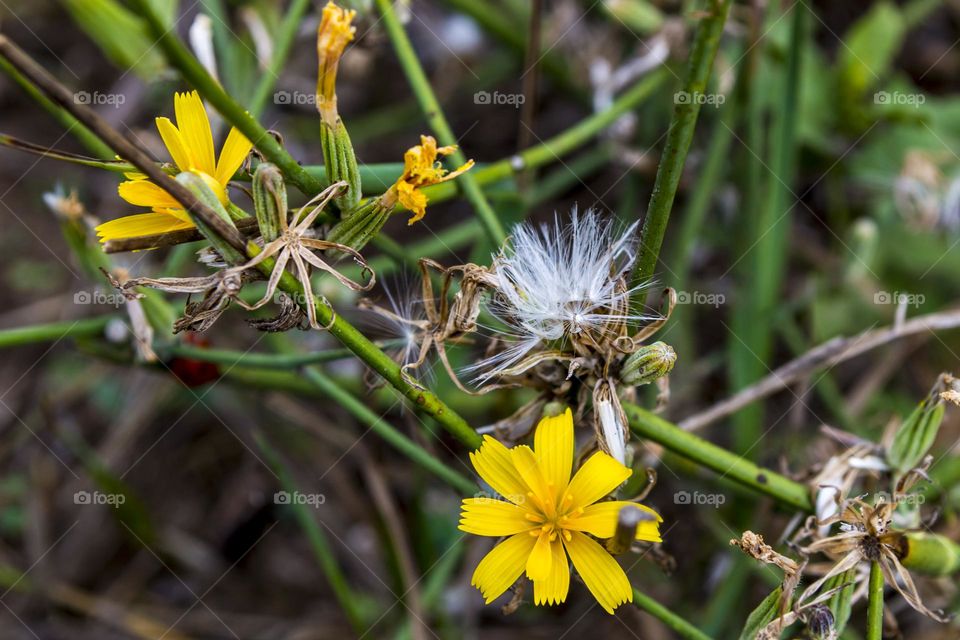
202	190
340	163
360	225
269	200
648	363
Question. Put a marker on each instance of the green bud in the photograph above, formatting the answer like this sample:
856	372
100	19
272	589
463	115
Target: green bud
340	163
199	187
917	433
360	225
931	554
648	363
269	200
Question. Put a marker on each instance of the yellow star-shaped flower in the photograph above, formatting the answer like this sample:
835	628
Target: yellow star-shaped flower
547	516
190	143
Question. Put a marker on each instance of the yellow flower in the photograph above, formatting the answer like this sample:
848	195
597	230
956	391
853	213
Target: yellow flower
333	36
190	143
547	516
421	169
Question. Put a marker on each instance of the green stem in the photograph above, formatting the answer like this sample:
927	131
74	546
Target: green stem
85	136
319	542
875	603
718	459
676	623
180	57
417	454
53	331
422	398
232	358
281	51
420	85
680	135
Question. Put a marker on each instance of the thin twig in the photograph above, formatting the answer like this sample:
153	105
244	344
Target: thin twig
65	98
828	354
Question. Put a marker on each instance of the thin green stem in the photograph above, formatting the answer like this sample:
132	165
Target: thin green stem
680	135
875	603
85	136
417	454
718	459
420	85
674	622
53	331
281	51
232	358
319	542
422	398
180	58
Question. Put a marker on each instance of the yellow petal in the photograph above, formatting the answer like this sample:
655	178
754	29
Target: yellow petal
194	127
596	478
542	495
143	224
600	572
540	561
600	520
411	199
493	463
490	517
175	144
456	172
502	566
144	193
553	589
234	152
553	447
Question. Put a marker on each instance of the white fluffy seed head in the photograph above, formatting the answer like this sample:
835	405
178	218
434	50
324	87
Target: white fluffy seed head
557	282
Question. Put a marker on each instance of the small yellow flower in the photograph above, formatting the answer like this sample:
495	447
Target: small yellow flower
547	517
190	143
333	36
421	169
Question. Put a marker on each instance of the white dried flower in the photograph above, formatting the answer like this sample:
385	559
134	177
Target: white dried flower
556	283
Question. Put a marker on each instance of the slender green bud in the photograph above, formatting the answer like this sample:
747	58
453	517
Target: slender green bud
340	162
917	433
269	200
202	190
360	225
648	363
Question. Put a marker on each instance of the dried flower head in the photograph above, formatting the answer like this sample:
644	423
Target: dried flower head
561	286
333	35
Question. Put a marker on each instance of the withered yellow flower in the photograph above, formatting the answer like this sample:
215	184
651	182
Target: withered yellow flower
190	143
421	169
333	36
547	516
